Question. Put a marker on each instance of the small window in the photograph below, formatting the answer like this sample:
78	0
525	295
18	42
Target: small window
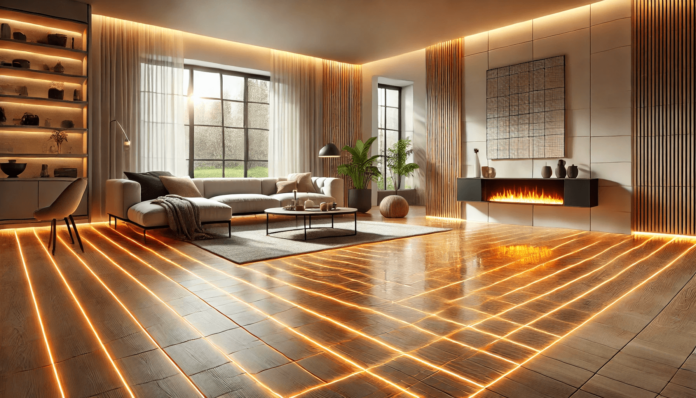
388	127
228	123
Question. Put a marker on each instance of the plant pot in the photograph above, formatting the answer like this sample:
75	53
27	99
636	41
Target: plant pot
360	199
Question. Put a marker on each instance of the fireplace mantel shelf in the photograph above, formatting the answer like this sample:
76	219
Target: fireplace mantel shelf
573	192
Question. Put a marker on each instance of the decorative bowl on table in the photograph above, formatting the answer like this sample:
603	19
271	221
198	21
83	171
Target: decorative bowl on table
12	168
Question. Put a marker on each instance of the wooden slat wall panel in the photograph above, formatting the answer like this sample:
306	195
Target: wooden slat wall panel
443	63
342	99
664	162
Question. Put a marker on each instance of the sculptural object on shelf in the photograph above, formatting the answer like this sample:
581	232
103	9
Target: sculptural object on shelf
59	68
560	169
572	171
59	137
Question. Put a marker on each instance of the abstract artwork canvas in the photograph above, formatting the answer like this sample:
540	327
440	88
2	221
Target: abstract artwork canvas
525	110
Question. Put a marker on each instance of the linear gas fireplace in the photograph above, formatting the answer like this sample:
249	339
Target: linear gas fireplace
573	192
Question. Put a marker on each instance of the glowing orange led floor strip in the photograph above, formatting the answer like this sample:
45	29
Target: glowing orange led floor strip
590	318
38	314
521	272
528	325
390	317
84	314
294	304
254	308
571	266
72	250
180	317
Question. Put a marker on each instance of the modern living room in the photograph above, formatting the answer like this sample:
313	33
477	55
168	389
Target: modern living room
347	199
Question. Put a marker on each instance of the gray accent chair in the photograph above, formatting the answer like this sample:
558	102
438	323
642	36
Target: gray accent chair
63	207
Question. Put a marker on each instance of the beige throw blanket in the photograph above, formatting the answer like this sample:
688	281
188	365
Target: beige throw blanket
183	217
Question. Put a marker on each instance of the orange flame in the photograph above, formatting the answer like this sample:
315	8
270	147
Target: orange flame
526	195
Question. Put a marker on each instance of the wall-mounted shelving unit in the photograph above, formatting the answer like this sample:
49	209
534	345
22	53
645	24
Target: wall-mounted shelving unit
31	144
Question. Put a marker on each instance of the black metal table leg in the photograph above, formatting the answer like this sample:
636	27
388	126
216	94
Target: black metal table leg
356	223
304	223
332	221
266	224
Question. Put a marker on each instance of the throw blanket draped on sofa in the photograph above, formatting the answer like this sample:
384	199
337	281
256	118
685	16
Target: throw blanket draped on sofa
183	216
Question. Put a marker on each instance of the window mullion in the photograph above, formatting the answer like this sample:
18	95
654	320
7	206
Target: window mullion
222	128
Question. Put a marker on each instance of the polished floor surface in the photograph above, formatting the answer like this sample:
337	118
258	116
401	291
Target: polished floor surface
482	310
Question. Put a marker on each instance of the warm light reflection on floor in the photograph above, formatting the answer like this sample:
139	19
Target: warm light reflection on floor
500	295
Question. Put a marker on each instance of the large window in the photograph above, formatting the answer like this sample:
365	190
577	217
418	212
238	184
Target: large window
228	123
389	127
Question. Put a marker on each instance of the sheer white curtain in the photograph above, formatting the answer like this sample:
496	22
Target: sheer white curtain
136	77
295	136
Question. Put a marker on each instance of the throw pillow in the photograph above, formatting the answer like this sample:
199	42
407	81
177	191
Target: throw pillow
303	180
286	186
182	186
151	187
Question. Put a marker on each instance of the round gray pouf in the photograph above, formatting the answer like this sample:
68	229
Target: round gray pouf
394	206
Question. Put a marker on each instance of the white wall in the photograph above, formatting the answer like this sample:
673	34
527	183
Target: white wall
406	67
202	48
596	41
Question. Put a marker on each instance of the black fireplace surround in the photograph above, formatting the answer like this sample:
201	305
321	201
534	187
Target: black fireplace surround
575	192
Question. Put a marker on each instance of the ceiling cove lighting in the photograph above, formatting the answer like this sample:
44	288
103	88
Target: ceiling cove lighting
72	251
590	318
214	346
89	322
249	305
38	314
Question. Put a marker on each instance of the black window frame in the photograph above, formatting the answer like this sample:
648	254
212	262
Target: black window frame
190	106
399	131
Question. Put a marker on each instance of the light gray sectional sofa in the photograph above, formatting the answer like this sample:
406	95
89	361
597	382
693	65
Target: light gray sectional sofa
222	198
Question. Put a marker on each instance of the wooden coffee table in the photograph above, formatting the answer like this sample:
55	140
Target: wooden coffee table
308	214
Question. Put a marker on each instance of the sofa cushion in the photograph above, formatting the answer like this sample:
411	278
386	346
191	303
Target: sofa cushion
304	181
151	187
286	198
247	203
226	186
182	186
268	185
148	214
286	186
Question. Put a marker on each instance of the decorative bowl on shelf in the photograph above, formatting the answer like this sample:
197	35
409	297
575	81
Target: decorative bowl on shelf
12	168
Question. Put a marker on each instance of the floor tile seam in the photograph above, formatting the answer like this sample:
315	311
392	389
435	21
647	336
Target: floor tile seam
213	345
636	336
248	304
656	273
340	324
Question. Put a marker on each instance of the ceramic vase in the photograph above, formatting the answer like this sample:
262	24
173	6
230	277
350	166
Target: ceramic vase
546	171
560	169
572	171
477	164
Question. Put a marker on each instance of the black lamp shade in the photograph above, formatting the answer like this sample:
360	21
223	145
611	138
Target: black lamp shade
329	151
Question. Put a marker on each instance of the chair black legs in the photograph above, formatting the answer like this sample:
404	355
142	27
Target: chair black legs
77	234
68	225
53	232
50	235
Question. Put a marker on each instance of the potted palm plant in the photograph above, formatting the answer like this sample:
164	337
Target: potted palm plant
396	162
361	171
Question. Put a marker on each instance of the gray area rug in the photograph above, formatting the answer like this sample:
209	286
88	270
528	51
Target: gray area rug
249	243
